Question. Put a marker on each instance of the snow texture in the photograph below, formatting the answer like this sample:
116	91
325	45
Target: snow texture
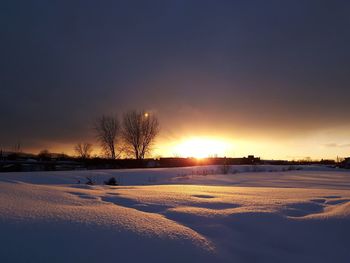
177	215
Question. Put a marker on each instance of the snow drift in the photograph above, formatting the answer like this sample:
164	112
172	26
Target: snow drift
293	216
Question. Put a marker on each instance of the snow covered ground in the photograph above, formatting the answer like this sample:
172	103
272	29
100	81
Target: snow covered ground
253	214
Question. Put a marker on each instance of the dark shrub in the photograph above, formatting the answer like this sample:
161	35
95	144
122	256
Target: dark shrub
111	181
90	181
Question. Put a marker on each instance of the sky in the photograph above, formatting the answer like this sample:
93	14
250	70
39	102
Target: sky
269	78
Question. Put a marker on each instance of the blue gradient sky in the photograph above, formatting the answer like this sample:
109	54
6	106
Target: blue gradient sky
268	77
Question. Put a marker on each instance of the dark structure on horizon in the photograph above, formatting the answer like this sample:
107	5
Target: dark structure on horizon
181	162
22	162
346	163
16	162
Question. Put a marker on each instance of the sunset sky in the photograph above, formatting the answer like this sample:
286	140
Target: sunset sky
269	78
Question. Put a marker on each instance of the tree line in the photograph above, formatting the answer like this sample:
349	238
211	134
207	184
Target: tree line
133	136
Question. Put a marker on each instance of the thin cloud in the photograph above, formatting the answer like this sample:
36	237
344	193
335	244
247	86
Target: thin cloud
337	145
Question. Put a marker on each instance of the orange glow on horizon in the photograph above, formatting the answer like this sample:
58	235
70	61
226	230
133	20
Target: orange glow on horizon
201	147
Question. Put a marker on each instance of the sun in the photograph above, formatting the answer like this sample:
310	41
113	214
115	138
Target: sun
201	147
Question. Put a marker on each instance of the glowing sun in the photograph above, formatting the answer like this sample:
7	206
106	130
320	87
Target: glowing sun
199	147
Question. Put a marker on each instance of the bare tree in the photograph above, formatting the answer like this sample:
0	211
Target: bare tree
83	150
107	129
45	155
17	148
139	132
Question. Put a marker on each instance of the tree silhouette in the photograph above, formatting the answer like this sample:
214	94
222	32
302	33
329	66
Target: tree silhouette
83	150
139	132
107	129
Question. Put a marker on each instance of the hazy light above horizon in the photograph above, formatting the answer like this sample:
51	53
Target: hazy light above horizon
226	78
201	147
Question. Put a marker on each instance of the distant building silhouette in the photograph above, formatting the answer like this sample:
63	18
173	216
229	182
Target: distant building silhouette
346	163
